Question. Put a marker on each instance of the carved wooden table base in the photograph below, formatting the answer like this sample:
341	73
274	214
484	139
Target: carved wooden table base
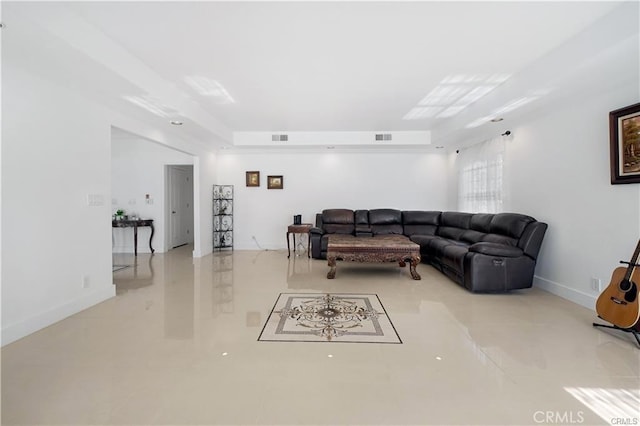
378	249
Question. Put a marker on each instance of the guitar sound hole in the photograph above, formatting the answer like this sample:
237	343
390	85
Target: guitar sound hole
630	296
625	285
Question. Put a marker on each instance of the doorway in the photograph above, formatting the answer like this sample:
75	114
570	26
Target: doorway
180	205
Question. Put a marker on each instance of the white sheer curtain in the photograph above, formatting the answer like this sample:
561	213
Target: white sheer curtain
480	177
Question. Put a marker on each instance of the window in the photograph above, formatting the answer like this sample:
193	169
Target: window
480	177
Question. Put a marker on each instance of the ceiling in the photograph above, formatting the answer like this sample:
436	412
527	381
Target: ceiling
224	67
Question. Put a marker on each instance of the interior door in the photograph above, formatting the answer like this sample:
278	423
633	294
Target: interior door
181	205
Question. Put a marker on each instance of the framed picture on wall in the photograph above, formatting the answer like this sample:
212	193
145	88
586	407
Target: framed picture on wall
624	135
253	178
274	182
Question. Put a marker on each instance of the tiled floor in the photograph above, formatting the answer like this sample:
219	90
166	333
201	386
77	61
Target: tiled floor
178	345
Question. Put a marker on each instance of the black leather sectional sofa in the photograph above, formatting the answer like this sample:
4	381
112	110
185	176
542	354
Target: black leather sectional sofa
482	252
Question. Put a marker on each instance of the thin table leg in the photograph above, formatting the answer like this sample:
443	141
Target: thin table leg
150	238
135	240
309	246
288	247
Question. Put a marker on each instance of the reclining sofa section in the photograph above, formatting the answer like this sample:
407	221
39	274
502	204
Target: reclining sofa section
482	252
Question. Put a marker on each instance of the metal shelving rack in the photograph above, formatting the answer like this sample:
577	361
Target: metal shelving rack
222	216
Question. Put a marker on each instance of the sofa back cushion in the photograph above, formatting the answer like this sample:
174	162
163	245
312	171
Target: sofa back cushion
507	228
338	221
479	226
362	217
385	221
453	224
481	222
510	224
420	222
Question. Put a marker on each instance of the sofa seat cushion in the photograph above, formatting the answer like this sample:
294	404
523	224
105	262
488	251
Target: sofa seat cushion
470	236
500	239
436	246
410	230
338	228
453	257
493	249
422	240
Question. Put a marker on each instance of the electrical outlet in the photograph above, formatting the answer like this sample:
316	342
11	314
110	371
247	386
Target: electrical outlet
86	283
596	284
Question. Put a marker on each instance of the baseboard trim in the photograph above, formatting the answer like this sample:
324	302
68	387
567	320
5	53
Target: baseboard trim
571	294
13	332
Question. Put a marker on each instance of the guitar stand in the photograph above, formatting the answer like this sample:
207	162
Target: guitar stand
626	330
629	263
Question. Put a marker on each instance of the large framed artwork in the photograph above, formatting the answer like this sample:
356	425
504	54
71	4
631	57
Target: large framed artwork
624	135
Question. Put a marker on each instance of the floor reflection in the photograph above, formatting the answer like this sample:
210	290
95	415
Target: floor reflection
179	345
132	272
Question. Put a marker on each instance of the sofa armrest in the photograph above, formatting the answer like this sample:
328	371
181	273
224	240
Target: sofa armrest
494	249
315	230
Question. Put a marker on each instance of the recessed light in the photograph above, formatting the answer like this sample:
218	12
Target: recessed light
439	147
331	147
176	123
497	119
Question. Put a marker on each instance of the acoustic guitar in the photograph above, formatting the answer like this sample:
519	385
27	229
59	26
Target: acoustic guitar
618	303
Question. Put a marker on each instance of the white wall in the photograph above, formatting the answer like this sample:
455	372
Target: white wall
56	151
557	158
558	171
137	169
314	181
205	176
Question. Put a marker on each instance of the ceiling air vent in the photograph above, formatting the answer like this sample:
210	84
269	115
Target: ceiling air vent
383	136
279	138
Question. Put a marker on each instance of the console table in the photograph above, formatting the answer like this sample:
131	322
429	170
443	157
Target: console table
303	228
135	224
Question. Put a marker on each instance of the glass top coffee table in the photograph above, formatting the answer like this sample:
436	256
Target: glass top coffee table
376	249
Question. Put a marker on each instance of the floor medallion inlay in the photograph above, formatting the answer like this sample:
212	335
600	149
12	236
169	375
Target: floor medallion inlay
356	318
